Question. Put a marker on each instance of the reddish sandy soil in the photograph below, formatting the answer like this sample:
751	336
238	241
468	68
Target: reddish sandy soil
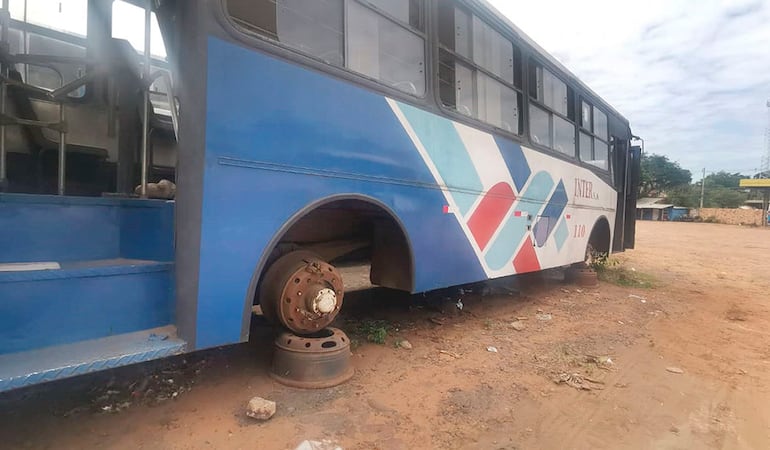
706	313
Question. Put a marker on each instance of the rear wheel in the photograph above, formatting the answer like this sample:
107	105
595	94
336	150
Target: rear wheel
301	292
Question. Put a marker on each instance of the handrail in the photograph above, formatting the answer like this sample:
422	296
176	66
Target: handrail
162	74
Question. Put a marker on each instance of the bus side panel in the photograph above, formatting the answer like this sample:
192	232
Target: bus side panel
279	138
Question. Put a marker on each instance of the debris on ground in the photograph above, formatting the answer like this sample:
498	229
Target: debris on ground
406	345
260	408
447	352
436	320
674	370
603	362
519	325
543	317
318	445
491	349
580	382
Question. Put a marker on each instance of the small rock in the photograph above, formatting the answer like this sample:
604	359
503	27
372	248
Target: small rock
492	349
674	429
260	409
544	317
519	325
674	370
404	344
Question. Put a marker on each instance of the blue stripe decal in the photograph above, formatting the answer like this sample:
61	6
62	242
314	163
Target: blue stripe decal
504	247
551	214
506	243
538	190
560	235
516	162
448	153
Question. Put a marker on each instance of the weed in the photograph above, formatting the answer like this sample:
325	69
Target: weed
373	330
601	261
625	277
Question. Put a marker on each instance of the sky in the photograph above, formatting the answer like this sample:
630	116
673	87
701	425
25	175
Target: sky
691	76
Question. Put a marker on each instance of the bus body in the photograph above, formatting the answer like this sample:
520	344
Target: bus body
430	139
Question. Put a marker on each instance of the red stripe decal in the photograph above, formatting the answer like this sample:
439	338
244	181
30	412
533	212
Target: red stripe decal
569	216
490	213
517	214
526	260
446	209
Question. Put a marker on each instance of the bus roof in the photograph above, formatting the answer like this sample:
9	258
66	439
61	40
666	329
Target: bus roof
517	32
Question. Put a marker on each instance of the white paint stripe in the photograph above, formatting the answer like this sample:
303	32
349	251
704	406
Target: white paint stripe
434	171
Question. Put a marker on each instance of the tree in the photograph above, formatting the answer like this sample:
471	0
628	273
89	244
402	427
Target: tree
724	179
686	196
660	175
723	191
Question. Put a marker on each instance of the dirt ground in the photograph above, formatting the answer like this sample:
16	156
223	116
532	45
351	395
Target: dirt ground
591	368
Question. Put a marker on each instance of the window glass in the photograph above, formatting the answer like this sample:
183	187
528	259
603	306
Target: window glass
462	33
601	155
539	126
600	124
498	104
70	16
407	11
58	74
312	27
128	24
492	51
586	147
464	85
384	50
554	92
564	136
586	116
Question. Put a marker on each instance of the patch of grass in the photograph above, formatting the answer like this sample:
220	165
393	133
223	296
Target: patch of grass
623	276
375	331
601	262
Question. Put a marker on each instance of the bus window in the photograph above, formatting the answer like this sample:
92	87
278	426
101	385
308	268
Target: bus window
539	126
385	50
128	24
68	17
551	110
50	28
600	124
477	69
586	147
594	147
311	27
49	78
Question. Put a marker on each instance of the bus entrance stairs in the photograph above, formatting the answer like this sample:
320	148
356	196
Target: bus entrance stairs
86	283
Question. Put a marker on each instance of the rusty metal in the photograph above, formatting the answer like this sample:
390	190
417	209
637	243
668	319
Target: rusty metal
582	276
301	292
312	362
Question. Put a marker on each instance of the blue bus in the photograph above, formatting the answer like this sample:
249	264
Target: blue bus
170	167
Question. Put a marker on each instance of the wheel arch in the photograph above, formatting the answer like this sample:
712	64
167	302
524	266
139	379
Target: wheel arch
297	218
601	235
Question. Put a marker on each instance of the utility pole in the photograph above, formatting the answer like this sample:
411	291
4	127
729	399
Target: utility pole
702	187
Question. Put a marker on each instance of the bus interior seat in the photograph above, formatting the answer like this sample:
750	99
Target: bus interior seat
22	101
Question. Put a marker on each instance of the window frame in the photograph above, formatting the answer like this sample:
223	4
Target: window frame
518	71
291	53
533	63
594	137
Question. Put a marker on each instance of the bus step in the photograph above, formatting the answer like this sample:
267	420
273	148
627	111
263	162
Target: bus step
82	300
63	361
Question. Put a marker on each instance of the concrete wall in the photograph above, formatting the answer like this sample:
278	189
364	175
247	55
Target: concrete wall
733	216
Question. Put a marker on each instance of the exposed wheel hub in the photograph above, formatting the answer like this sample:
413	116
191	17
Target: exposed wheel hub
302	292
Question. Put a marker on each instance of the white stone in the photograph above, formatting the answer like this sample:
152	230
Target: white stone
260	409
